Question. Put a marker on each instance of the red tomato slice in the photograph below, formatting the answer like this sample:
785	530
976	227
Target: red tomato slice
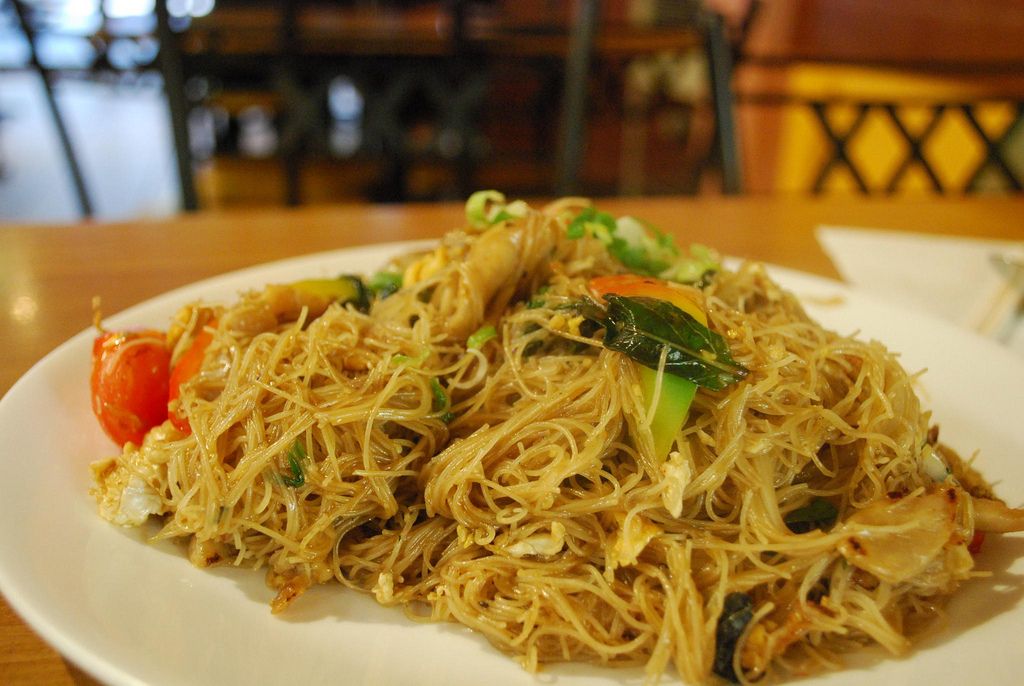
129	382
188	365
635	285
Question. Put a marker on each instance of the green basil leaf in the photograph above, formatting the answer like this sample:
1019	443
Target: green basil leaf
643	327
737	612
818	514
538	298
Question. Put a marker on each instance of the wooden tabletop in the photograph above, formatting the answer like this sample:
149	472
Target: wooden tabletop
48	276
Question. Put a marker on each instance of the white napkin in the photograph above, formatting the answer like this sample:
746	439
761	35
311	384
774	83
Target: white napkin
952	278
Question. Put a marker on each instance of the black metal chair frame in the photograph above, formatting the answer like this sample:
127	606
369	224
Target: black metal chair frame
301	109
720	57
48	78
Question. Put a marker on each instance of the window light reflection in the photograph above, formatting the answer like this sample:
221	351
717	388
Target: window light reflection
119	9
186	8
24	309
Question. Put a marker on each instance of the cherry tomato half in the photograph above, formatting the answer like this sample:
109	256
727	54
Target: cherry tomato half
130	376
635	285
187	366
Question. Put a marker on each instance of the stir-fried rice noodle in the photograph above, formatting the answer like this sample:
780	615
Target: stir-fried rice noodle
532	506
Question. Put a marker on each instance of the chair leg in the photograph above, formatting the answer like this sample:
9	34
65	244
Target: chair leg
720	67
77	179
574	98
174	88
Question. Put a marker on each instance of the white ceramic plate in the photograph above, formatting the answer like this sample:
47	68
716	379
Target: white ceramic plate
130	612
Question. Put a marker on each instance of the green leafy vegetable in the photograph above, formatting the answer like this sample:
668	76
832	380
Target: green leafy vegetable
642	328
538	300
362	299
643	249
533	347
636	258
673	406
385	283
441	401
344	289
737	612
695	267
296	454
481	336
818	514
591	222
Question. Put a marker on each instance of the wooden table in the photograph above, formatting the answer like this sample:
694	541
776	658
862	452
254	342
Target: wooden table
48	276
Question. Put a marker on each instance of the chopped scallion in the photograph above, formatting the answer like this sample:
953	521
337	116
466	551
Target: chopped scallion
400	359
481	336
296	454
385	283
441	401
484	209
478	205
591	222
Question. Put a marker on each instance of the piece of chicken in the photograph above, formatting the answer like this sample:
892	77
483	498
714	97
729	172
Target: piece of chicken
471	279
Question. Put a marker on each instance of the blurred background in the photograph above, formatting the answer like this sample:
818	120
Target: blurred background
116	109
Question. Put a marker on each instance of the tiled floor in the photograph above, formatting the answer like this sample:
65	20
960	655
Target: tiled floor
121	135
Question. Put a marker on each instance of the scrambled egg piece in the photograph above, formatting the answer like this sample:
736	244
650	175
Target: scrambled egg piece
630	540
540	544
129	487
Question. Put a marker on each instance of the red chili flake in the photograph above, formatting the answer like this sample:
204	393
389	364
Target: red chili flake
975	545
